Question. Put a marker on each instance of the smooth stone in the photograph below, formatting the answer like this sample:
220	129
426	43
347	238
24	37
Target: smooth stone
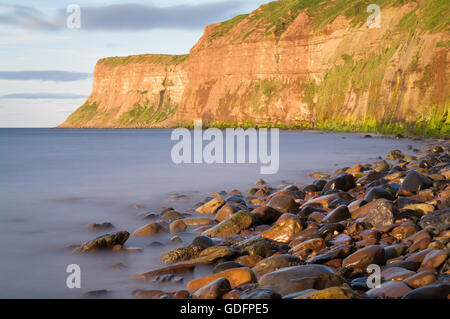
331	293
265	215
214	290
225	211
434	291
259	293
293	279
211	207
314	244
396	273
236	277
404	230
435	258
390	289
151	229
364	257
394	251
420	279
339	214
275	262
177	226
249	260
377	193
407	264
203	242
284	228
226	265
337	252
344	182
232	225
283	204
415	182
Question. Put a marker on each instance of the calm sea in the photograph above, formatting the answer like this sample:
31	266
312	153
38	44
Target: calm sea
54	183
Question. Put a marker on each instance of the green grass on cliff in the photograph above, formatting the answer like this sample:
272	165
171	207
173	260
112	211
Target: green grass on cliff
145	58
83	114
275	17
145	114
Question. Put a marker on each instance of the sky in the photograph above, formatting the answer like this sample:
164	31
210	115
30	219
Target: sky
46	67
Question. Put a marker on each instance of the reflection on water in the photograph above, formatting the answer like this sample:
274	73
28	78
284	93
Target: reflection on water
54	183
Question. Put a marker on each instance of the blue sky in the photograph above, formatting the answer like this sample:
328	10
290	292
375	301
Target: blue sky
46	68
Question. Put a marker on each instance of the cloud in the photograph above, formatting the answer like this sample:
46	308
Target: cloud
47	75
125	17
34	96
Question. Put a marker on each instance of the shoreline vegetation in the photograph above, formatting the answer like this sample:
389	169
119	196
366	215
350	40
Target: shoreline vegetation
435	129
392	215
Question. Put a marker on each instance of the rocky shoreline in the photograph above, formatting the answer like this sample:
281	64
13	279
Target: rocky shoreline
313	241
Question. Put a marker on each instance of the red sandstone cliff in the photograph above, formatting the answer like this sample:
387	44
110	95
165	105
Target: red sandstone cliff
242	71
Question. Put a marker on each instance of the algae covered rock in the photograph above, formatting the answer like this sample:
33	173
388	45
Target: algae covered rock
107	241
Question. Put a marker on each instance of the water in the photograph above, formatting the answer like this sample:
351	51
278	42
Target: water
54	183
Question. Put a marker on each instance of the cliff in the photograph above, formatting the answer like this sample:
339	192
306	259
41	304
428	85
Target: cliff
291	64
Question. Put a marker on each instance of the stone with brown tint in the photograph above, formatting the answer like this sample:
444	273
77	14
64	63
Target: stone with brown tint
214	290
314	244
419	245
211	207
419	256
293	279
150	229
365	257
420	279
404	230
265	215
283	204
417	236
331	293
236	277
177	226
275	262
366	242
225	211
341	239
396	273
249	260
435	258
322	201
394	251
392	289
232	225
284	228
338	214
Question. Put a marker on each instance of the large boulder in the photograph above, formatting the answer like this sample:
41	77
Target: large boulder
297	278
380	214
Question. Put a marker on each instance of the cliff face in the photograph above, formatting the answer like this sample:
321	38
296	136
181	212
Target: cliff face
290	64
